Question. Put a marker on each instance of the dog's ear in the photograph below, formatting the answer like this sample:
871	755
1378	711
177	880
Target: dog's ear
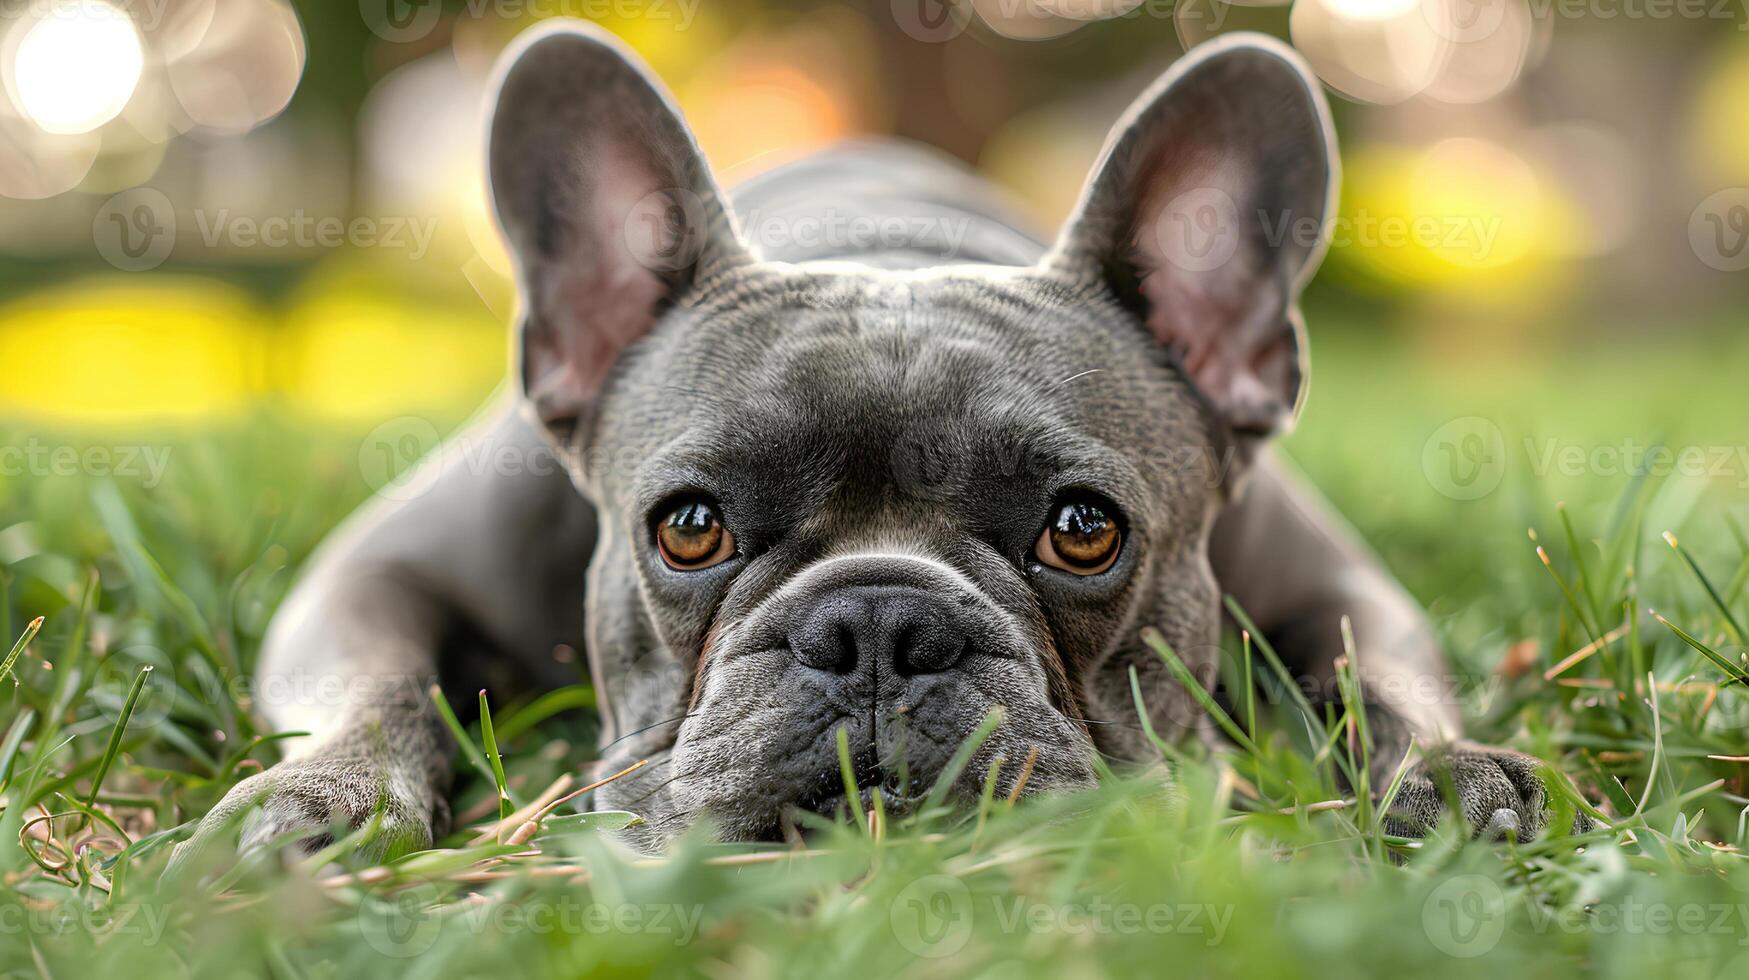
606	203
1205	216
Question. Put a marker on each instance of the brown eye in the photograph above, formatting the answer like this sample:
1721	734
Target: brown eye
1081	538
692	537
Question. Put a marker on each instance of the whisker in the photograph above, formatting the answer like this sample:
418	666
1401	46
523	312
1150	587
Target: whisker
646	728
653	791
1073	377
1097	721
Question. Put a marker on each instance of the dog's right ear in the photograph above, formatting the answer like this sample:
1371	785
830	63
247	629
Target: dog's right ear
606	203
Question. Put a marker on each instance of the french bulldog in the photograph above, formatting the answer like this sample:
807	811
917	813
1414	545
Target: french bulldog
877	484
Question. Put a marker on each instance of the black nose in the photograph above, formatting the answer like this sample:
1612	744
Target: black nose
884	627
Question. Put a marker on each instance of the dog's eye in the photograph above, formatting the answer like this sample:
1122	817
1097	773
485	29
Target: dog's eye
1081	538
692	537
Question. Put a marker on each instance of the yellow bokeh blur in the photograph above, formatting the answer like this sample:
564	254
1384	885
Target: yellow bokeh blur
118	351
351	354
1720	121
1459	214
130	351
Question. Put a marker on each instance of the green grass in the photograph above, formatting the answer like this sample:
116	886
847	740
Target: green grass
128	716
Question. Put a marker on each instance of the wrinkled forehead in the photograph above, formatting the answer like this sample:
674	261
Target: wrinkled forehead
883	391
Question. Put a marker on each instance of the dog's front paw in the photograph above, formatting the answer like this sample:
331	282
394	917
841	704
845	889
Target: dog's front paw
309	800
1500	793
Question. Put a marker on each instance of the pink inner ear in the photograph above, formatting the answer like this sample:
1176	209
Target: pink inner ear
598	297
1211	297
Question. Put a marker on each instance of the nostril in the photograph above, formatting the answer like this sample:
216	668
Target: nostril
843	660
931	650
826	639
879	629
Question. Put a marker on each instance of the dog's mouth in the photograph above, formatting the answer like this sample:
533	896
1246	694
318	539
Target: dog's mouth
878	788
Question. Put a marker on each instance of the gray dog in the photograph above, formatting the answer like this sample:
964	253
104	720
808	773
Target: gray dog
843	482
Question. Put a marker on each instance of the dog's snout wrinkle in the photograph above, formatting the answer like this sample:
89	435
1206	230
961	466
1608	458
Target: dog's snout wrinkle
880	629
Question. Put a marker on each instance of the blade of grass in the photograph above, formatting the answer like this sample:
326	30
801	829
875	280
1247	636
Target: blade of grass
1250	685
1588	584
1732	670
852	796
1354	700
115	735
546	706
460	734
1157	642
18	647
1657	746
493	756
1280	670
1566	590
1396	784
14	738
962	756
1706	583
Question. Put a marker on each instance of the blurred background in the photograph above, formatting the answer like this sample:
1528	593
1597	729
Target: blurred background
220	218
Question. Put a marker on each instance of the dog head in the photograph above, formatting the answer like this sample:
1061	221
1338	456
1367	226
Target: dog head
895	504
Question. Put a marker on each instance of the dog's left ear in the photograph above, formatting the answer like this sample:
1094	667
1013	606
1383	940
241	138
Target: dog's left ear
606	203
1206	214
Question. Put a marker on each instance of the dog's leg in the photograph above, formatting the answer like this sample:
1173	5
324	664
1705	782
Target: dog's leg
495	543
1296	569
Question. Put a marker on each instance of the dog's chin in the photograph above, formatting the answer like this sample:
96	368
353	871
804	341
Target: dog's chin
796	809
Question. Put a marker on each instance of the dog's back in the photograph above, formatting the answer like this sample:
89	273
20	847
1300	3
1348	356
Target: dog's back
881	202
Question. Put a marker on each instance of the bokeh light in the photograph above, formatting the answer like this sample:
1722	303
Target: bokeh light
132	352
73	65
245	67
